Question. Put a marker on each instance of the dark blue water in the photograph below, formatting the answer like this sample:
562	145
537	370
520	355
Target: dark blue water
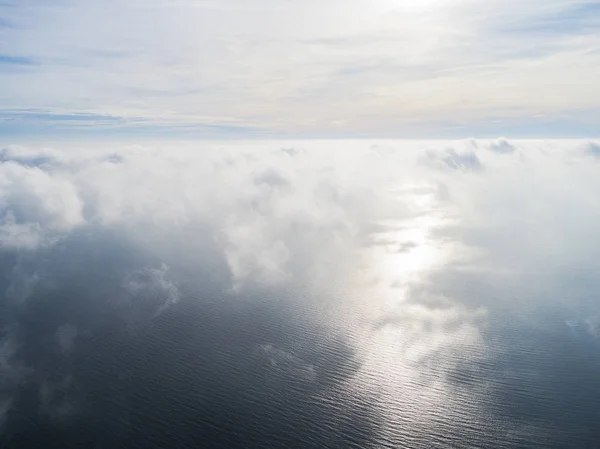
93	360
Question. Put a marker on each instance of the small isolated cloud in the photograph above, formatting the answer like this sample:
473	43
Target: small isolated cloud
592	149
282	362
502	146
586	327
291	151
450	159
271	178
147	293
405	247
592	325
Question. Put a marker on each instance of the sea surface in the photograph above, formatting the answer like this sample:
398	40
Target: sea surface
420	327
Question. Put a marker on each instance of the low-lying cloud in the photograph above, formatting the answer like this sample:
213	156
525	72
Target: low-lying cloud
408	247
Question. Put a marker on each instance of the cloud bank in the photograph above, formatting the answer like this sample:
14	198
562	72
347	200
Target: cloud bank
412	252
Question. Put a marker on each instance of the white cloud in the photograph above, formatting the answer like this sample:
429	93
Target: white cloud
395	244
35	205
502	146
147	293
285	363
450	159
264	209
592	148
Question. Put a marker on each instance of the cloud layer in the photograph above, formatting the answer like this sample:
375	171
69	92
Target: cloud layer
382	68
407	258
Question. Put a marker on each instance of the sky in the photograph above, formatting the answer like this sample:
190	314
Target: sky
299	68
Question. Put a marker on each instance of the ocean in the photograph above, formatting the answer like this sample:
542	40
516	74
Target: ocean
301	295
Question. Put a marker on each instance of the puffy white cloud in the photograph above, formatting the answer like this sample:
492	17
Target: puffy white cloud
592	148
267	210
453	160
35	205
146	294
283	362
502	146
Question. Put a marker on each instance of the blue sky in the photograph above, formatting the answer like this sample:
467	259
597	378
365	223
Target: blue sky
300	68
